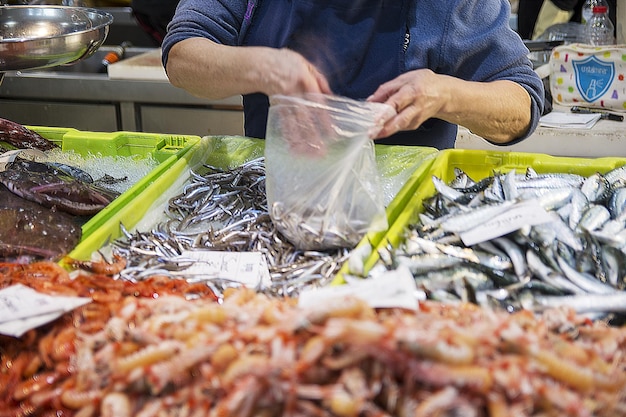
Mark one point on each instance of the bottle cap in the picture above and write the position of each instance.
(599, 9)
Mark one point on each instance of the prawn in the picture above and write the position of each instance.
(99, 267)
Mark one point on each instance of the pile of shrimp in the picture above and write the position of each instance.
(163, 353)
(37, 370)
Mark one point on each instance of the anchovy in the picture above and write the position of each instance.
(225, 210)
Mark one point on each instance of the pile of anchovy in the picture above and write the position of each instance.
(225, 210)
(576, 259)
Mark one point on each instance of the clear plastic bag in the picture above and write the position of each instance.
(322, 180)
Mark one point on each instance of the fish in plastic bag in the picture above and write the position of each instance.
(322, 180)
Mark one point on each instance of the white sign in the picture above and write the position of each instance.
(22, 308)
(392, 289)
(526, 213)
(247, 268)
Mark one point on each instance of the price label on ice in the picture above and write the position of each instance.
(8, 157)
(247, 268)
(22, 308)
(392, 289)
(527, 213)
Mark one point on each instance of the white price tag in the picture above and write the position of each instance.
(22, 308)
(392, 289)
(526, 213)
(247, 268)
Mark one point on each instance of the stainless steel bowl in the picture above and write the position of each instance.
(46, 36)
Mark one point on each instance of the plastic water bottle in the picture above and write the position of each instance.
(599, 30)
(587, 10)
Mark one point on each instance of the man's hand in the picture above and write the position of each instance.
(286, 72)
(416, 96)
(499, 111)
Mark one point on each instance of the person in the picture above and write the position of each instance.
(438, 63)
(153, 17)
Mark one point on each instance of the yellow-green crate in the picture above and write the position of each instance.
(166, 149)
(478, 165)
(227, 152)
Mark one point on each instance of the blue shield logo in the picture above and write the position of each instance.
(593, 77)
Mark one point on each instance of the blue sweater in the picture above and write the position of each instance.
(468, 39)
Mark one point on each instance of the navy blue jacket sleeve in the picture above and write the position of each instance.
(472, 41)
(222, 21)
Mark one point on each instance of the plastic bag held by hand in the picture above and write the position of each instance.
(322, 180)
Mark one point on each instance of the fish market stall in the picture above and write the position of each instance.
(161, 340)
(213, 345)
(495, 286)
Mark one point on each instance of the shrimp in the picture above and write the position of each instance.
(116, 404)
(148, 356)
(99, 267)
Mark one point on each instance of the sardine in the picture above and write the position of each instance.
(596, 188)
(616, 175)
(466, 221)
(550, 276)
(588, 283)
(594, 218)
(617, 203)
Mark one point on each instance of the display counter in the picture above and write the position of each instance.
(605, 138)
(83, 96)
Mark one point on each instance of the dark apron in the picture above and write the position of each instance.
(357, 45)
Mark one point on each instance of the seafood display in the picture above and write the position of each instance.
(38, 370)
(21, 137)
(130, 353)
(52, 187)
(523, 323)
(48, 193)
(576, 258)
(32, 232)
(225, 210)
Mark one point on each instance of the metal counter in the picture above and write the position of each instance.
(605, 139)
(94, 102)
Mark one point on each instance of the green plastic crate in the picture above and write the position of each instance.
(478, 165)
(164, 148)
(131, 144)
(228, 152)
(141, 199)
